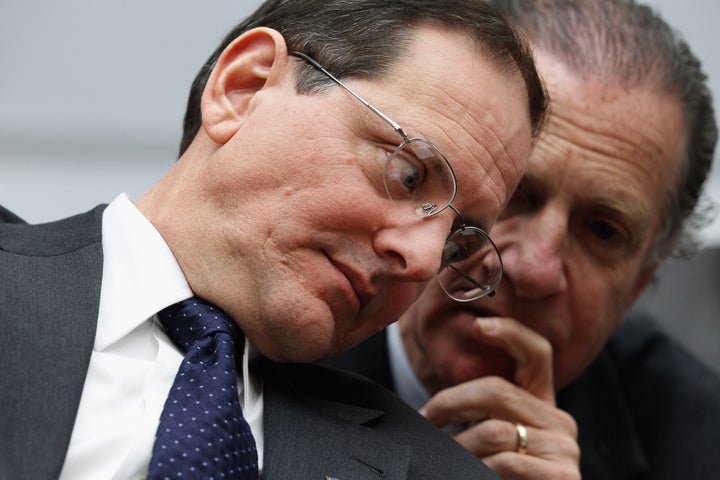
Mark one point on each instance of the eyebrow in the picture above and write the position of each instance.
(615, 200)
(636, 216)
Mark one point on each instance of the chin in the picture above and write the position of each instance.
(298, 338)
(492, 363)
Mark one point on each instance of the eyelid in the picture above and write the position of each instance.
(618, 230)
(623, 240)
(622, 215)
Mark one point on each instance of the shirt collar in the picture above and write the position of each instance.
(140, 274)
(407, 384)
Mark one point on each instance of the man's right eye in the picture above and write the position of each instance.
(403, 176)
(454, 252)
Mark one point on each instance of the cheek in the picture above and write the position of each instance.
(430, 316)
(484, 362)
(597, 311)
(444, 333)
(318, 211)
(380, 313)
(570, 362)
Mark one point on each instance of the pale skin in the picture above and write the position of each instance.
(277, 211)
(575, 242)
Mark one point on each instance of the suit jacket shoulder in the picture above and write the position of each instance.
(321, 422)
(646, 408)
(370, 359)
(674, 400)
(9, 217)
(50, 276)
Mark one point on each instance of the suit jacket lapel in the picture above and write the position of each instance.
(51, 276)
(611, 447)
(342, 442)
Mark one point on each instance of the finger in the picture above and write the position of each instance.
(484, 398)
(532, 353)
(488, 438)
(494, 397)
(498, 440)
(494, 436)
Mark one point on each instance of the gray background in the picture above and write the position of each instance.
(92, 96)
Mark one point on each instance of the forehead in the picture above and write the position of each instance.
(617, 143)
(444, 89)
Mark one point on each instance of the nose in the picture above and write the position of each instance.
(532, 252)
(414, 249)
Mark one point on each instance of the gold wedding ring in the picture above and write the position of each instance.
(522, 438)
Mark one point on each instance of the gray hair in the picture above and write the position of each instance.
(629, 44)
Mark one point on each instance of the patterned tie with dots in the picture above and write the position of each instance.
(202, 432)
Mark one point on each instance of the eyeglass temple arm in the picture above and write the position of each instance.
(490, 293)
(377, 112)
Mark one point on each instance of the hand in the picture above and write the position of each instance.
(491, 406)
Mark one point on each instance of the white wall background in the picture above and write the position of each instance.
(92, 95)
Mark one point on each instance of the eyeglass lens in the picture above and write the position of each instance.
(471, 266)
(418, 172)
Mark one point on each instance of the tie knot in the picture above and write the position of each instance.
(189, 321)
(202, 431)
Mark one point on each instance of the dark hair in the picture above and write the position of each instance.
(629, 44)
(364, 38)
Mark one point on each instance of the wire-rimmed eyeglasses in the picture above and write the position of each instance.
(417, 173)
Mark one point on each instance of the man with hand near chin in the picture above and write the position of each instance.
(543, 380)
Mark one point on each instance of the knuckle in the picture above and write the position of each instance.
(545, 348)
(574, 451)
(441, 401)
(569, 424)
(495, 433)
(497, 388)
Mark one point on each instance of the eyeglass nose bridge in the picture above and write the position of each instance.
(430, 209)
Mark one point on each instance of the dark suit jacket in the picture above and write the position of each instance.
(645, 408)
(8, 216)
(317, 421)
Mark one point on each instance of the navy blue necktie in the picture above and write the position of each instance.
(202, 432)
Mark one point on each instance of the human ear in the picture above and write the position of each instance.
(250, 63)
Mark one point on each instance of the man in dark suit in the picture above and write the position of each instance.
(528, 379)
(309, 215)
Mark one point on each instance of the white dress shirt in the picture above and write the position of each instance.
(133, 362)
(407, 384)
